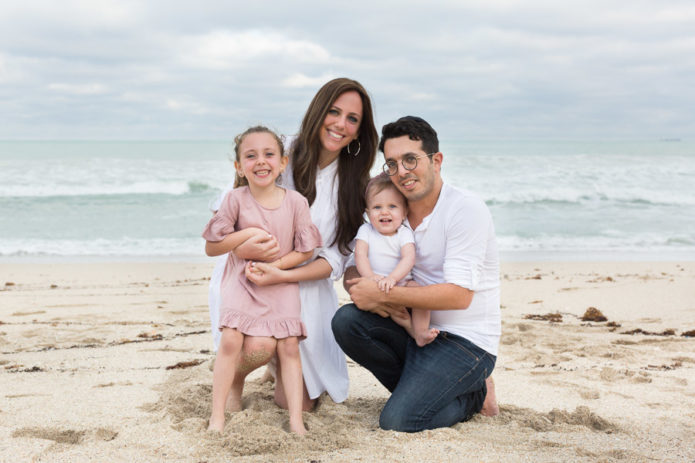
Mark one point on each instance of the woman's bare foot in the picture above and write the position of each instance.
(267, 376)
(422, 339)
(233, 404)
(490, 407)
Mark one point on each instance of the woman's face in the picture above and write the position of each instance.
(342, 123)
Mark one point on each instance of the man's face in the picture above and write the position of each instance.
(418, 183)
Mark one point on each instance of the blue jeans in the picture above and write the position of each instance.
(434, 386)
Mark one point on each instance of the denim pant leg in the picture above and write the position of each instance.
(442, 384)
(376, 343)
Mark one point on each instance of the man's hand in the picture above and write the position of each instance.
(368, 297)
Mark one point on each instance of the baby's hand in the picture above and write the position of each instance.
(376, 278)
(385, 284)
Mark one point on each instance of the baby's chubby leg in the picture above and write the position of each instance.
(292, 381)
(422, 332)
(228, 356)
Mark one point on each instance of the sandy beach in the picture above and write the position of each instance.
(111, 362)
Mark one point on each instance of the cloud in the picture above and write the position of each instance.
(299, 80)
(523, 68)
(224, 49)
(79, 89)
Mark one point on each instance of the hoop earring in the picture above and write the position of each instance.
(359, 147)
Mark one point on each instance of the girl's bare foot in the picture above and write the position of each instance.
(216, 424)
(490, 407)
(427, 337)
(297, 427)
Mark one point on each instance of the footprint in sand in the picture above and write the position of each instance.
(65, 436)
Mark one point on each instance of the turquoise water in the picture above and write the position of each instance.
(550, 199)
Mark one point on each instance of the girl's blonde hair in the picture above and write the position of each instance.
(238, 179)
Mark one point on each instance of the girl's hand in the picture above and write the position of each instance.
(262, 247)
(386, 283)
(263, 274)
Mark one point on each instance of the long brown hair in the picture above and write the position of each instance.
(353, 171)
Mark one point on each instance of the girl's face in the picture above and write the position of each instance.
(386, 210)
(342, 123)
(260, 160)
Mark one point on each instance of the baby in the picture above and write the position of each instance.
(385, 249)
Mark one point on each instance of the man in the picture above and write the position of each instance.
(457, 268)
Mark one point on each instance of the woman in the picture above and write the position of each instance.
(329, 165)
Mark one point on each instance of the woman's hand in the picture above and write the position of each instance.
(262, 247)
(263, 274)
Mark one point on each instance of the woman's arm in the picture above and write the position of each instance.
(265, 274)
(292, 259)
(231, 241)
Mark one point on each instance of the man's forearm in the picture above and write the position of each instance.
(443, 296)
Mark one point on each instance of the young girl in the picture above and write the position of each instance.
(385, 250)
(259, 207)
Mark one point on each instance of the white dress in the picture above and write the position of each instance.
(323, 362)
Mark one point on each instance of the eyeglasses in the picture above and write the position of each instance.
(409, 162)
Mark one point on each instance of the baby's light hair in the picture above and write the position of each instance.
(242, 181)
(379, 183)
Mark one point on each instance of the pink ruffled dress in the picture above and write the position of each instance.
(262, 310)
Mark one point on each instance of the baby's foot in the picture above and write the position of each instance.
(422, 339)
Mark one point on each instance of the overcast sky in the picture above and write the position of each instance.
(101, 69)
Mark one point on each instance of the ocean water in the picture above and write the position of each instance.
(566, 200)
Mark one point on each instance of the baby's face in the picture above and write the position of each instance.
(386, 211)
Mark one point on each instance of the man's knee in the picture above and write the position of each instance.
(394, 419)
(342, 320)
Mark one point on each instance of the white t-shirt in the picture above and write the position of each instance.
(385, 250)
(456, 244)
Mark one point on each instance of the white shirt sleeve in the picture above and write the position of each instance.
(335, 259)
(215, 203)
(466, 244)
(405, 235)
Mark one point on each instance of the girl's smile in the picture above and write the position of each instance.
(260, 160)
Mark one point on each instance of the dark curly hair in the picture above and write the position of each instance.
(415, 128)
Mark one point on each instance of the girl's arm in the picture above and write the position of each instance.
(362, 259)
(405, 265)
(231, 241)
